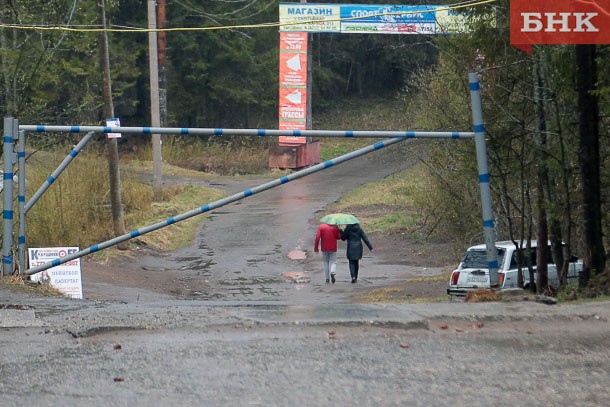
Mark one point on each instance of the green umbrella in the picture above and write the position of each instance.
(339, 219)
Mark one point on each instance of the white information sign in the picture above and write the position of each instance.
(113, 122)
(65, 277)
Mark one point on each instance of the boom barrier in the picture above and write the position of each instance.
(247, 132)
(11, 129)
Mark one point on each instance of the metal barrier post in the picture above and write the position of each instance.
(479, 136)
(10, 129)
(21, 200)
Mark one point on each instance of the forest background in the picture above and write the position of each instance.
(227, 77)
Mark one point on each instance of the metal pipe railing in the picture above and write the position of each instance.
(247, 132)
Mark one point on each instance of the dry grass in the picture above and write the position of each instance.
(396, 295)
(76, 211)
(398, 198)
(231, 155)
(411, 290)
(483, 296)
(19, 284)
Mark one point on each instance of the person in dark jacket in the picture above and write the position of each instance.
(355, 235)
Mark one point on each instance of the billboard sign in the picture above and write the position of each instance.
(293, 85)
(374, 19)
(310, 17)
(366, 19)
(66, 277)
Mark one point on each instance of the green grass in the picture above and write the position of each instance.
(334, 147)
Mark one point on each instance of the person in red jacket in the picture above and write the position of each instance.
(328, 234)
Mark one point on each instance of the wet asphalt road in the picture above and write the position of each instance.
(257, 339)
(187, 353)
(260, 249)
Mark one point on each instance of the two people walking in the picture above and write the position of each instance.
(328, 235)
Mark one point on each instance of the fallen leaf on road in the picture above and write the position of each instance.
(117, 347)
(444, 326)
(119, 379)
(404, 345)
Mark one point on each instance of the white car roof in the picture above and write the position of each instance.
(504, 244)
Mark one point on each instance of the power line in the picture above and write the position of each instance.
(225, 27)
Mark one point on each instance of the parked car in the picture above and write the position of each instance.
(473, 272)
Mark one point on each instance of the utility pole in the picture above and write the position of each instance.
(153, 62)
(162, 44)
(118, 217)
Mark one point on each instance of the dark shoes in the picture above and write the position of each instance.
(353, 280)
(327, 281)
(332, 278)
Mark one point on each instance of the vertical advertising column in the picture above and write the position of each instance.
(293, 85)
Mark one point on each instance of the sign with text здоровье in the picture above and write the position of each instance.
(559, 22)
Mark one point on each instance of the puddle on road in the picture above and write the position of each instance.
(296, 277)
(206, 296)
(46, 310)
(276, 249)
(202, 266)
(196, 263)
(254, 262)
(243, 291)
(251, 281)
(269, 291)
(244, 286)
(208, 252)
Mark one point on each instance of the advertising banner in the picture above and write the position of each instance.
(366, 19)
(376, 19)
(65, 277)
(559, 22)
(310, 17)
(293, 85)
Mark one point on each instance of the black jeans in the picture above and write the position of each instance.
(354, 265)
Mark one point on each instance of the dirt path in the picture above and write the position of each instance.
(246, 251)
